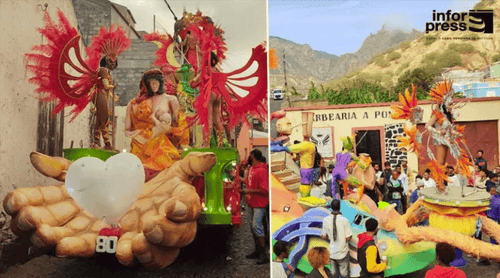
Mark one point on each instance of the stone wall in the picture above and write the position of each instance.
(91, 15)
(131, 65)
(393, 154)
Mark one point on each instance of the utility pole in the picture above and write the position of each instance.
(286, 84)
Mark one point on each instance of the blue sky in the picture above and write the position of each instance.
(339, 27)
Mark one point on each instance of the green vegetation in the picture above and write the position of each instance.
(419, 77)
(402, 68)
(294, 92)
(483, 54)
(381, 62)
(393, 56)
(461, 47)
(434, 63)
(495, 58)
(428, 40)
(404, 45)
(313, 93)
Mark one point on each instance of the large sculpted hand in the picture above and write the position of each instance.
(161, 221)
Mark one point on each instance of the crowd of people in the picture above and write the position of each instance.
(398, 185)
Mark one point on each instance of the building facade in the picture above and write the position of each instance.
(376, 131)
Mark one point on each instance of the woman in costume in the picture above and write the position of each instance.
(160, 152)
(205, 50)
(105, 89)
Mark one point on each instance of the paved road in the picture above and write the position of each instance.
(215, 252)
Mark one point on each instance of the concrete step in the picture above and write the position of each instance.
(293, 187)
(290, 180)
(277, 167)
(283, 174)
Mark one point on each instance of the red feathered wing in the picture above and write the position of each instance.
(163, 42)
(237, 106)
(50, 67)
(61, 55)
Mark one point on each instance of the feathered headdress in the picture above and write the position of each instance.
(442, 92)
(109, 43)
(408, 103)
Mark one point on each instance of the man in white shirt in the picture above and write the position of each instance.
(453, 179)
(404, 181)
(337, 228)
(428, 181)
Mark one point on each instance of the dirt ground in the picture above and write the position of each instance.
(215, 252)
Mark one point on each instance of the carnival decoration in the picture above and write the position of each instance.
(454, 212)
(59, 70)
(106, 189)
(202, 46)
(347, 159)
(159, 222)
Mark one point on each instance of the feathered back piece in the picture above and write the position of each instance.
(163, 41)
(441, 92)
(50, 67)
(109, 43)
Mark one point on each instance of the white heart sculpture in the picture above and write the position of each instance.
(106, 189)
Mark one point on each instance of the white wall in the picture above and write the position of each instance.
(19, 107)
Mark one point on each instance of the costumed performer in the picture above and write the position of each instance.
(156, 153)
(343, 158)
(307, 151)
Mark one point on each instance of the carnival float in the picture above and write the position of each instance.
(453, 212)
(147, 203)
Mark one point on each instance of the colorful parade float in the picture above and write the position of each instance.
(147, 203)
(454, 212)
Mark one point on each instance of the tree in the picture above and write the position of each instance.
(420, 77)
(313, 92)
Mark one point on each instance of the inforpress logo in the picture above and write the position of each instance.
(457, 22)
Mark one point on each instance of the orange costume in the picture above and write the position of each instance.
(158, 153)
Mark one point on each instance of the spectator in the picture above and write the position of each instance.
(480, 161)
(445, 254)
(428, 181)
(368, 256)
(316, 167)
(382, 188)
(378, 171)
(406, 170)
(319, 190)
(482, 179)
(318, 258)
(281, 269)
(406, 190)
(453, 179)
(420, 184)
(492, 181)
(395, 188)
(387, 170)
(496, 170)
(337, 229)
(374, 194)
(494, 212)
(257, 198)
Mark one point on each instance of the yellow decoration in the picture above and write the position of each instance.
(462, 224)
(313, 201)
(455, 211)
(304, 190)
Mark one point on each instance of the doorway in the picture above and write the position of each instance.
(369, 141)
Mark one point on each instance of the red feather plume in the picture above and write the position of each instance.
(49, 67)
